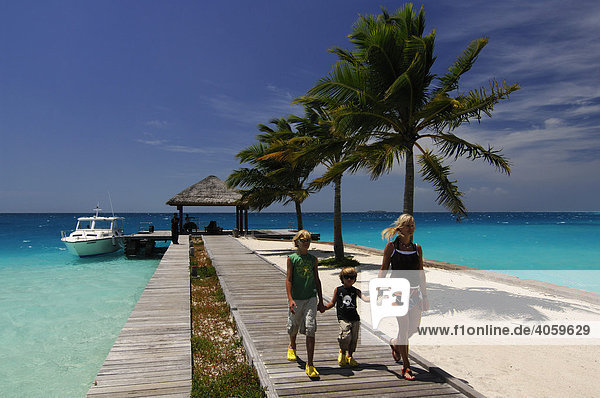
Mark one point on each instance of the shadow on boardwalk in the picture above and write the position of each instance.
(255, 291)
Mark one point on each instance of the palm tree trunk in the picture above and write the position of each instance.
(338, 243)
(299, 215)
(409, 183)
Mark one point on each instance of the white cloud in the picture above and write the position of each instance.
(276, 104)
(157, 123)
(553, 122)
(152, 142)
(166, 146)
(584, 110)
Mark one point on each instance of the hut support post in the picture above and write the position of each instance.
(245, 210)
(180, 208)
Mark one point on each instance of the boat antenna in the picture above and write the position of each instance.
(111, 206)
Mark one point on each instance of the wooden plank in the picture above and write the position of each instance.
(152, 355)
(255, 290)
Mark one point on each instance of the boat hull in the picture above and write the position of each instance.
(94, 247)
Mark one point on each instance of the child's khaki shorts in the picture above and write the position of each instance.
(305, 318)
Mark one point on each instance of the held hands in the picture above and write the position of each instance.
(292, 306)
(425, 304)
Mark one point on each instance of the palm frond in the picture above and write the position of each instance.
(478, 101)
(463, 64)
(378, 158)
(437, 108)
(381, 156)
(251, 154)
(455, 147)
(345, 84)
(438, 174)
(402, 86)
(245, 177)
(350, 163)
(345, 55)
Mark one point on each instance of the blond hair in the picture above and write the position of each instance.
(302, 234)
(388, 233)
(347, 271)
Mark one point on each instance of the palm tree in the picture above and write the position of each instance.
(271, 180)
(384, 91)
(322, 143)
(315, 141)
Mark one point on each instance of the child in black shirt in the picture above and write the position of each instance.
(344, 298)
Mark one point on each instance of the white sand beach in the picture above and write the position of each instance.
(494, 366)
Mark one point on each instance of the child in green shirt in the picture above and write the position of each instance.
(302, 286)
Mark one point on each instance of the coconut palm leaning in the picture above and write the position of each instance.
(385, 91)
(271, 180)
(318, 142)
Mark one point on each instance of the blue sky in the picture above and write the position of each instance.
(144, 98)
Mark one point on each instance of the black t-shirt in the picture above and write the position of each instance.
(409, 263)
(346, 304)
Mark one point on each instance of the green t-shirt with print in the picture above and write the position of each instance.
(303, 276)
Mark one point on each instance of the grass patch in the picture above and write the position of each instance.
(203, 272)
(220, 368)
(347, 261)
(200, 263)
(233, 383)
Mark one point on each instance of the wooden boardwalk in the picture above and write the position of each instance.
(152, 355)
(255, 290)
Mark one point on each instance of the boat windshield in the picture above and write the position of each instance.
(102, 224)
(84, 224)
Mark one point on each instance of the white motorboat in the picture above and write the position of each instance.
(95, 235)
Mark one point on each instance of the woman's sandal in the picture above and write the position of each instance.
(407, 374)
(395, 354)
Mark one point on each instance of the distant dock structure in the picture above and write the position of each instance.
(280, 234)
(143, 243)
(211, 191)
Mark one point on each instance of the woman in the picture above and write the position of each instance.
(403, 255)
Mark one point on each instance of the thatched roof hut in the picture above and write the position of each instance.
(211, 191)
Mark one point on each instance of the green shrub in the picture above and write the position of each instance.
(240, 381)
(347, 261)
(205, 272)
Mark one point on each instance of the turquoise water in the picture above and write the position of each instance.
(60, 315)
(558, 248)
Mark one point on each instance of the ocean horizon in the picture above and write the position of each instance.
(487, 240)
(60, 314)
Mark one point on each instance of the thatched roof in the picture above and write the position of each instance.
(211, 191)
